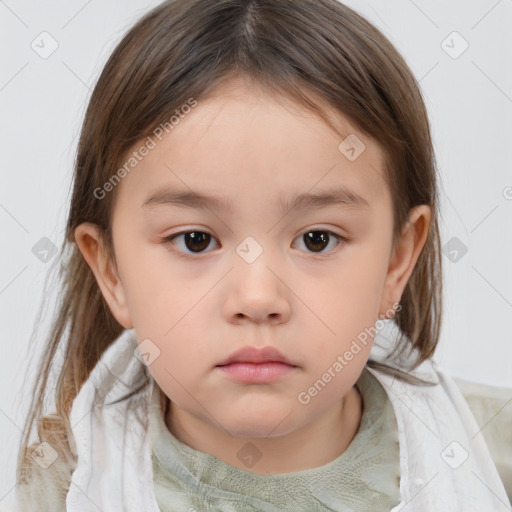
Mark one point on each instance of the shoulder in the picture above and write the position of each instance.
(492, 408)
(46, 476)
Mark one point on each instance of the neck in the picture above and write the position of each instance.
(314, 444)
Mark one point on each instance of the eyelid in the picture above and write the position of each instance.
(319, 228)
(169, 241)
(342, 241)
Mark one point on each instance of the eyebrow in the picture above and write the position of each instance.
(340, 196)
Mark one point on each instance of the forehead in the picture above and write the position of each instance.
(240, 141)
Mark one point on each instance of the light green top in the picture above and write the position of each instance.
(364, 478)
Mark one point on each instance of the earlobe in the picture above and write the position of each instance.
(405, 256)
(90, 241)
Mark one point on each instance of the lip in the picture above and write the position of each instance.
(256, 365)
(256, 373)
(254, 355)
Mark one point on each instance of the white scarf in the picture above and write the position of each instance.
(445, 464)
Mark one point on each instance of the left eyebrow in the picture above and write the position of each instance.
(341, 196)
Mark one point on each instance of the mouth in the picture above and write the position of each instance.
(256, 366)
(256, 373)
(255, 355)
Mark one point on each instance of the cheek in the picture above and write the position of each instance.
(168, 305)
(157, 293)
(349, 299)
(346, 310)
(184, 355)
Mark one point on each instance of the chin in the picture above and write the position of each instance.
(264, 425)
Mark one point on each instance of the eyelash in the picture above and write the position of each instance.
(168, 241)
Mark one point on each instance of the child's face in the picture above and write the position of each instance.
(257, 281)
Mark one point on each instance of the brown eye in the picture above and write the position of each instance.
(189, 241)
(317, 240)
(197, 241)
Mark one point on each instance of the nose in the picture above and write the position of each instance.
(257, 293)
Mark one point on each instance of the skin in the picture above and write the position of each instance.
(201, 307)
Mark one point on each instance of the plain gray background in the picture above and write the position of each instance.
(469, 98)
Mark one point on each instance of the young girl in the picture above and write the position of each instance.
(253, 292)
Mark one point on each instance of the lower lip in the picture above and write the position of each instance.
(256, 372)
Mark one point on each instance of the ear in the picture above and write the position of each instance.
(404, 257)
(89, 239)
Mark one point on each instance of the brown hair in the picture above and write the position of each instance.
(299, 49)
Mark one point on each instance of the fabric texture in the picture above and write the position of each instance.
(492, 408)
(444, 461)
(363, 478)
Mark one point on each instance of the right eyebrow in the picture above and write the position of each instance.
(189, 199)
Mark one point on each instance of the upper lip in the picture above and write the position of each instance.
(255, 355)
